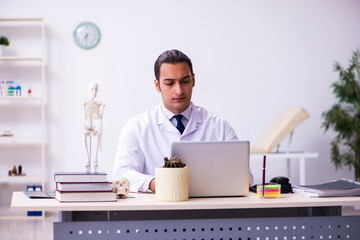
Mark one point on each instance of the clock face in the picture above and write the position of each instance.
(87, 35)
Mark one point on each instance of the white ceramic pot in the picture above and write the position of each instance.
(2, 50)
(171, 184)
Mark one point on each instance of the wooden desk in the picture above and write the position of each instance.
(289, 217)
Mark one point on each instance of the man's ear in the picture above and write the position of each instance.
(157, 85)
(193, 76)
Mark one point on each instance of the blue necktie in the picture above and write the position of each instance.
(180, 125)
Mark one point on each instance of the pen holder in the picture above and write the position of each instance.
(171, 184)
(271, 190)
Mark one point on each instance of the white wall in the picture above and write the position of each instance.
(251, 58)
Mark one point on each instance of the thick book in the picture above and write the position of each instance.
(80, 177)
(83, 186)
(338, 188)
(100, 196)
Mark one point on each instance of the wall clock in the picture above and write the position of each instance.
(87, 35)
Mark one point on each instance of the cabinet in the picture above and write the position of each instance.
(23, 61)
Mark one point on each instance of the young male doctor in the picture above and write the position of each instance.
(145, 139)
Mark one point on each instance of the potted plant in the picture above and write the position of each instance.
(344, 117)
(3, 42)
(172, 181)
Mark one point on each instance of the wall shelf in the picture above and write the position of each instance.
(21, 99)
(12, 58)
(7, 214)
(25, 140)
(33, 176)
(20, 179)
(21, 19)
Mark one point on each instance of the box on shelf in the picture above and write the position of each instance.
(10, 88)
(34, 188)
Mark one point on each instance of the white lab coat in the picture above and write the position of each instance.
(145, 141)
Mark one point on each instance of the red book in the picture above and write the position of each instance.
(101, 196)
(83, 186)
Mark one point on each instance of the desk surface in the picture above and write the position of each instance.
(146, 201)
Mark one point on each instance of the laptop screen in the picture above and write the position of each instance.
(215, 168)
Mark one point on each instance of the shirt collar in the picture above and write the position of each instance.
(170, 115)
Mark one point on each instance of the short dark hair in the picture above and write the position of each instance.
(171, 56)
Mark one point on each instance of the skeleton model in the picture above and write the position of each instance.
(93, 127)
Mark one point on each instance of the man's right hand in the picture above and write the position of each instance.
(152, 185)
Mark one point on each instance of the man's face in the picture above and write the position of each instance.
(175, 85)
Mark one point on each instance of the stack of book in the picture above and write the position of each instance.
(338, 188)
(83, 187)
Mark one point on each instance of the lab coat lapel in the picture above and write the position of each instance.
(164, 122)
(194, 122)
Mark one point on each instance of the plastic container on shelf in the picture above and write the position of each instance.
(10, 88)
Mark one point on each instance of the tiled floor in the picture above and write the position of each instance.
(42, 229)
(25, 229)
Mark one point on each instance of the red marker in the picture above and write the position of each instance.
(263, 179)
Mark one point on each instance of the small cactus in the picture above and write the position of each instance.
(173, 162)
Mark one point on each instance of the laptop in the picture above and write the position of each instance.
(216, 169)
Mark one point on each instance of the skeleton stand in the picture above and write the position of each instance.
(93, 114)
